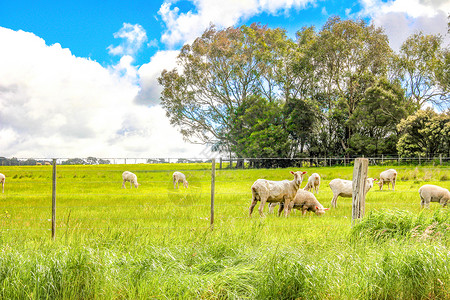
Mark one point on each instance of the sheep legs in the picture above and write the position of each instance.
(284, 205)
(252, 206)
(334, 200)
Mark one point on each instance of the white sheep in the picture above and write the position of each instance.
(343, 188)
(131, 177)
(388, 176)
(313, 183)
(306, 201)
(2, 180)
(433, 193)
(177, 177)
(275, 191)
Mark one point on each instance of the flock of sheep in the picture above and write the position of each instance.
(289, 195)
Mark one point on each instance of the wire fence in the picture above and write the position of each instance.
(84, 200)
(234, 162)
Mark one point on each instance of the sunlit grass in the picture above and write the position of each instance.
(156, 241)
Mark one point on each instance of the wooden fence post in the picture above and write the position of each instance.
(440, 159)
(54, 200)
(213, 183)
(220, 166)
(358, 188)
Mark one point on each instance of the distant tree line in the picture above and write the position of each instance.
(71, 161)
(342, 91)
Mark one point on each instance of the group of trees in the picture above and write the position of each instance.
(253, 92)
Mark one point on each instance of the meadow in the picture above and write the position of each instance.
(155, 242)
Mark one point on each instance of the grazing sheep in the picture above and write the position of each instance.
(433, 193)
(275, 191)
(131, 177)
(343, 188)
(388, 176)
(177, 177)
(306, 201)
(2, 180)
(313, 183)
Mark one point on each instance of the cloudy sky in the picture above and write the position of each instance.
(78, 78)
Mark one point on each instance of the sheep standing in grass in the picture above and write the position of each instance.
(433, 193)
(306, 201)
(313, 183)
(275, 191)
(131, 177)
(388, 176)
(343, 188)
(2, 180)
(177, 177)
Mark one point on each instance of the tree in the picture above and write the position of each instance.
(216, 75)
(425, 133)
(376, 117)
(301, 117)
(258, 130)
(423, 66)
(346, 55)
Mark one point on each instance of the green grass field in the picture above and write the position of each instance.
(156, 242)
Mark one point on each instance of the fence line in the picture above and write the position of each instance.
(442, 158)
(61, 223)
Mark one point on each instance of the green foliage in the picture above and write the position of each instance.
(422, 64)
(425, 133)
(258, 129)
(376, 117)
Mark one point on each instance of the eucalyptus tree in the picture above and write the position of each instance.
(216, 74)
(423, 65)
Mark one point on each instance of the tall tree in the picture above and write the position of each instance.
(423, 67)
(376, 117)
(216, 74)
(346, 55)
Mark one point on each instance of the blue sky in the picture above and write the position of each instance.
(87, 27)
(78, 78)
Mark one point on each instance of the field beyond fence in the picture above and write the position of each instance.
(156, 241)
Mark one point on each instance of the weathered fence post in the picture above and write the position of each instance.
(213, 183)
(382, 159)
(440, 159)
(419, 159)
(54, 200)
(220, 166)
(358, 188)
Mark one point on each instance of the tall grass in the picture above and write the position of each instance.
(155, 242)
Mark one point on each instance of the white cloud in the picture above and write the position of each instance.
(53, 104)
(401, 18)
(148, 74)
(184, 27)
(133, 38)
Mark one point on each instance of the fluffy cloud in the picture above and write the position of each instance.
(149, 73)
(182, 27)
(133, 38)
(401, 18)
(53, 104)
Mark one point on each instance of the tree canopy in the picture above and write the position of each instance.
(252, 91)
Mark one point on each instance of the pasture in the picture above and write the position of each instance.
(155, 241)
